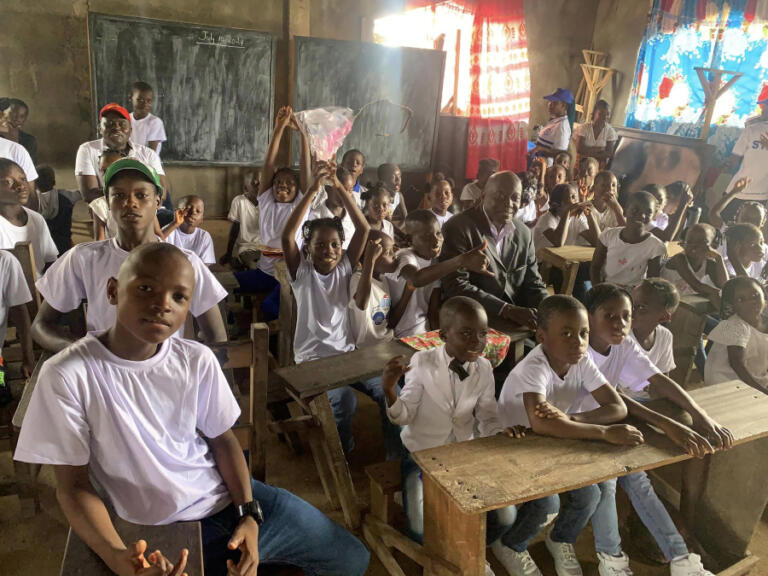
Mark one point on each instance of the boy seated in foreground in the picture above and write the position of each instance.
(148, 417)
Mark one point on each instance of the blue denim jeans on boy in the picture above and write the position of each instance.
(344, 405)
(256, 281)
(294, 533)
(575, 515)
(605, 522)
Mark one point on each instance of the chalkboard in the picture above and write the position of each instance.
(352, 74)
(214, 87)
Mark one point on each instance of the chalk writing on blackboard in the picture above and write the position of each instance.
(206, 38)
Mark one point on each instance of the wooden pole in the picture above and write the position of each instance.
(713, 91)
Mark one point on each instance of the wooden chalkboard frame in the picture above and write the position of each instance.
(294, 78)
(92, 16)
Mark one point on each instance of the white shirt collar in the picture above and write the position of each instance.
(506, 230)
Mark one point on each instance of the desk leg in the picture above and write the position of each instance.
(569, 277)
(452, 535)
(321, 409)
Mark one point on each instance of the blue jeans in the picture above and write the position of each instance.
(294, 533)
(575, 515)
(259, 281)
(344, 405)
(605, 522)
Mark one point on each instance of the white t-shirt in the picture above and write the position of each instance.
(682, 286)
(131, 423)
(556, 134)
(442, 219)
(661, 356)
(527, 213)
(369, 326)
(148, 129)
(754, 164)
(82, 274)
(534, 374)
(627, 264)
(587, 132)
(87, 160)
(414, 320)
(199, 242)
(661, 221)
(471, 192)
(322, 301)
(606, 219)
(734, 331)
(245, 213)
(272, 218)
(386, 226)
(100, 208)
(16, 152)
(550, 221)
(13, 290)
(34, 231)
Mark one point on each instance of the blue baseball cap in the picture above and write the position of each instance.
(560, 95)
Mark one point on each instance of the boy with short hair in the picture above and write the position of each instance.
(392, 178)
(185, 232)
(554, 376)
(133, 192)
(147, 129)
(244, 235)
(14, 295)
(148, 417)
(354, 161)
(472, 193)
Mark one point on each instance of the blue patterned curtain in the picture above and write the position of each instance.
(683, 34)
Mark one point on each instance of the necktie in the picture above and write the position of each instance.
(457, 367)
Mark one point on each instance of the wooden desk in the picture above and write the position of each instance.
(687, 325)
(79, 560)
(463, 481)
(567, 259)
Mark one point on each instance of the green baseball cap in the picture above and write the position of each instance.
(132, 164)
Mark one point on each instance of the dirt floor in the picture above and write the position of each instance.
(35, 546)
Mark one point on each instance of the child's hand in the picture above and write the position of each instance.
(541, 199)
(623, 435)
(694, 444)
(393, 371)
(246, 539)
(476, 261)
(547, 411)
(687, 197)
(283, 117)
(718, 436)
(741, 183)
(515, 431)
(321, 173)
(179, 215)
(153, 565)
(294, 123)
(373, 250)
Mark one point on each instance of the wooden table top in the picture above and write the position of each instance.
(514, 331)
(26, 396)
(490, 473)
(79, 560)
(563, 254)
(696, 302)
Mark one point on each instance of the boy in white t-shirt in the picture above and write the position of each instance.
(146, 128)
(244, 243)
(472, 193)
(549, 381)
(441, 200)
(185, 232)
(17, 222)
(148, 419)
(133, 191)
(14, 295)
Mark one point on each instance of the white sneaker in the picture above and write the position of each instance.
(566, 562)
(688, 566)
(613, 565)
(488, 571)
(516, 563)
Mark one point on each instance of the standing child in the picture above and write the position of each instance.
(244, 243)
(740, 343)
(14, 295)
(625, 255)
(377, 201)
(553, 378)
(17, 222)
(448, 394)
(473, 192)
(185, 232)
(699, 269)
(605, 201)
(441, 200)
(745, 251)
(392, 177)
(146, 128)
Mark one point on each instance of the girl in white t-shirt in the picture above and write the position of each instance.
(624, 256)
(699, 269)
(745, 251)
(605, 201)
(440, 200)
(378, 202)
(667, 217)
(740, 343)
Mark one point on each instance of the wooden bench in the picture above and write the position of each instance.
(465, 480)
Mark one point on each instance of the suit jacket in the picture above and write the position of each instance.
(516, 281)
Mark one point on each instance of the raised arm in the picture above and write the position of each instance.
(473, 260)
(305, 161)
(363, 293)
(715, 213)
(291, 251)
(178, 220)
(397, 311)
(670, 232)
(282, 120)
(360, 237)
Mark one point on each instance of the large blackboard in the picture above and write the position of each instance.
(214, 87)
(352, 74)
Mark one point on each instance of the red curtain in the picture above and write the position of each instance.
(501, 89)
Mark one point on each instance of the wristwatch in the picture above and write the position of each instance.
(252, 509)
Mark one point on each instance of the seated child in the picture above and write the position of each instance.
(133, 191)
(391, 176)
(564, 159)
(472, 193)
(554, 377)
(14, 295)
(147, 418)
(745, 251)
(528, 212)
(416, 266)
(185, 232)
(569, 222)
(626, 363)
(699, 269)
(104, 226)
(377, 201)
(328, 204)
(666, 223)
(739, 342)
(56, 207)
(585, 179)
(626, 255)
(354, 162)
(244, 241)
(448, 394)
(605, 201)
(146, 128)
(441, 200)
(17, 222)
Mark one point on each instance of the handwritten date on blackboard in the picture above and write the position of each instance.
(207, 38)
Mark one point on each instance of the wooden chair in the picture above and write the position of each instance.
(287, 317)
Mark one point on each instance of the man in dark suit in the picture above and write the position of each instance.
(516, 288)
